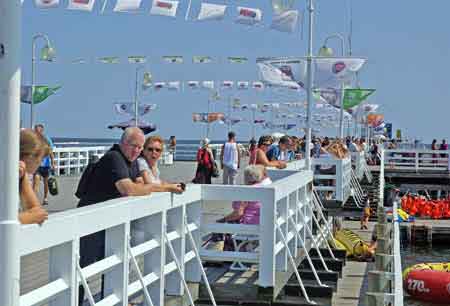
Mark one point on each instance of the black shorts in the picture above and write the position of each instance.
(43, 171)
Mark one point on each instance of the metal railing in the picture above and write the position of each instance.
(336, 178)
(417, 160)
(358, 161)
(73, 160)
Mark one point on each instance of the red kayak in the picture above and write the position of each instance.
(428, 285)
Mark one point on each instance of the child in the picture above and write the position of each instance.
(366, 215)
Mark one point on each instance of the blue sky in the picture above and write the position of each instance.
(406, 43)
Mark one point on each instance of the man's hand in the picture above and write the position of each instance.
(282, 165)
(176, 188)
(139, 180)
(38, 214)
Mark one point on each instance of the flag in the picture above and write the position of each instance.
(244, 107)
(247, 15)
(275, 77)
(208, 84)
(193, 84)
(44, 4)
(259, 121)
(354, 96)
(285, 17)
(159, 85)
(210, 11)
(173, 59)
(174, 85)
(375, 120)
(201, 59)
(109, 60)
(40, 93)
(147, 81)
(139, 59)
(164, 8)
(242, 85)
(254, 106)
(236, 103)
(207, 117)
(83, 5)
(237, 60)
(128, 108)
(127, 5)
(79, 61)
(370, 107)
(227, 84)
(258, 85)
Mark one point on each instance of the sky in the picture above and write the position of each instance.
(406, 44)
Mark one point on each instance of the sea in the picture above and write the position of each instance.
(414, 254)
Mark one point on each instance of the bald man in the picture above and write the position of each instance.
(115, 175)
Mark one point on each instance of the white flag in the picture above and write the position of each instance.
(242, 85)
(46, 3)
(193, 84)
(209, 11)
(285, 21)
(174, 85)
(258, 85)
(275, 77)
(227, 84)
(127, 5)
(83, 5)
(164, 8)
(159, 85)
(247, 15)
(208, 84)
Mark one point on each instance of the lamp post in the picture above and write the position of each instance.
(47, 54)
(328, 52)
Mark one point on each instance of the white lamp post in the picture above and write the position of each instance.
(47, 54)
(147, 81)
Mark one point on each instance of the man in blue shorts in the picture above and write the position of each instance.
(47, 164)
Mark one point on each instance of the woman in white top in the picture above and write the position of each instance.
(148, 166)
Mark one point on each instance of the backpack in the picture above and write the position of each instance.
(84, 181)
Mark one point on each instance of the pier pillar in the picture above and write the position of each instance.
(10, 29)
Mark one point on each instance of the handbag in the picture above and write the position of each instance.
(215, 170)
(52, 186)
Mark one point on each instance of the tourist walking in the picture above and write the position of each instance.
(230, 159)
(47, 164)
(434, 147)
(116, 175)
(205, 164)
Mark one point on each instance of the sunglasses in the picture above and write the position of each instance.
(157, 150)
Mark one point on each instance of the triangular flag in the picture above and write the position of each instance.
(208, 84)
(40, 93)
(242, 85)
(44, 4)
(210, 11)
(109, 60)
(193, 84)
(83, 5)
(258, 85)
(354, 96)
(173, 59)
(285, 17)
(227, 84)
(127, 5)
(201, 59)
(164, 8)
(248, 16)
(137, 59)
(237, 59)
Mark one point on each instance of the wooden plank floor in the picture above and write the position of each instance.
(353, 284)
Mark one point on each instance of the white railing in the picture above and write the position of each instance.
(336, 179)
(296, 165)
(156, 224)
(397, 265)
(73, 160)
(358, 162)
(286, 203)
(417, 160)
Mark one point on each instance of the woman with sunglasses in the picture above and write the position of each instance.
(148, 166)
(264, 143)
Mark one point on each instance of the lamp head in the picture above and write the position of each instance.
(147, 82)
(326, 51)
(48, 53)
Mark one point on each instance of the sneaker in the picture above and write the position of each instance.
(45, 202)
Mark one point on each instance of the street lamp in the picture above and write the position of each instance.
(47, 54)
(328, 52)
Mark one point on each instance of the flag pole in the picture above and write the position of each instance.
(10, 47)
(136, 101)
(309, 86)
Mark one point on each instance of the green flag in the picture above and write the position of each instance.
(40, 93)
(354, 96)
(137, 59)
(109, 60)
(237, 59)
(198, 59)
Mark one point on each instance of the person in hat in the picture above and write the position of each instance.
(205, 163)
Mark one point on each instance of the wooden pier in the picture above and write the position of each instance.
(426, 230)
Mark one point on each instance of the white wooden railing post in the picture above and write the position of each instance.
(416, 160)
(339, 180)
(282, 213)
(267, 244)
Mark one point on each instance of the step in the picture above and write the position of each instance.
(324, 276)
(301, 301)
(312, 288)
(340, 254)
(334, 265)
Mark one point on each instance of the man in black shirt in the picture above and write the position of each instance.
(115, 175)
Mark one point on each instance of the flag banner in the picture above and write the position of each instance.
(275, 77)
(137, 59)
(330, 96)
(264, 108)
(142, 124)
(173, 59)
(79, 61)
(82, 5)
(193, 84)
(227, 84)
(248, 16)
(388, 129)
(41, 93)
(147, 81)
(398, 134)
(285, 21)
(159, 85)
(109, 60)
(370, 107)
(208, 84)
(375, 120)
(244, 107)
(328, 72)
(257, 121)
(258, 85)
(210, 11)
(44, 4)
(197, 59)
(237, 60)
(127, 5)
(355, 96)
(232, 120)
(164, 8)
(207, 117)
(128, 108)
(174, 85)
(236, 104)
(242, 85)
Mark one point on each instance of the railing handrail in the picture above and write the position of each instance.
(426, 151)
(397, 266)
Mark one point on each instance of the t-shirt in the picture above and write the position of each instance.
(230, 155)
(111, 168)
(143, 166)
(46, 161)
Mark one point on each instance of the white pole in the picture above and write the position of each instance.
(10, 36)
(309, 96)
(341, 114)
(136, 101)
(33, 80)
